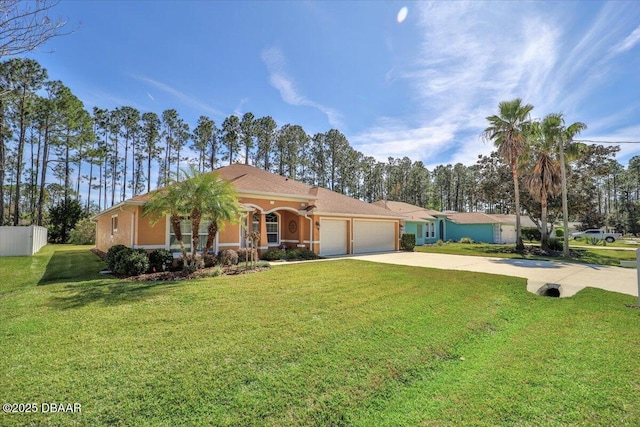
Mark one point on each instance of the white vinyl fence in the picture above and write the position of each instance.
(22, 241)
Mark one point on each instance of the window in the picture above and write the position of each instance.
(419, 231)
(271, 220)
(114, 224)
(431, 230)
(185, 228)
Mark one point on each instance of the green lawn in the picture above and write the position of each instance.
(592, 255)
(324, 343)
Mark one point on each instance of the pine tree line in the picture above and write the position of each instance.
(53, 150)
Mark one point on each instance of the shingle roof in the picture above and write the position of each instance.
(414, 212)
(473, 218)
(331, 202)
(525, 220)
(251, 180)
(247, 179)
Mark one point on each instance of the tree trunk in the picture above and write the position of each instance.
(2, 162)
(565, 210)
(43, 171)
(23, 113)
(544, 235)
(175, 223)
(516, 186)
(212, 230)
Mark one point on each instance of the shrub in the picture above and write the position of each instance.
(160, 260)
(555, 244)
(228, 257)
(467, 240)
(439, 242)
(307, 254)
(193, 262)
(408, 242)
(131, 262)
(244, 254)
(84, 233)
(273, 255)
(263, 264)
(210, 260)
(213, 272)
(531, 233)
(110, 258)
(291, 255)
(559, 232)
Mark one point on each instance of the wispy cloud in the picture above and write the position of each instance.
(184, 98)
(279, 78)
(474, 55)
(628, 43)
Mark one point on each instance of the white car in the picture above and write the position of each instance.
(599, 234)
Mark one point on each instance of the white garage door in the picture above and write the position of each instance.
(333, 237)
(373, 236)
(508, 234)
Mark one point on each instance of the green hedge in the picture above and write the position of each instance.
(408, 242)
(160, 260)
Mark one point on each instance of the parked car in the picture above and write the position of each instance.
(599, 234)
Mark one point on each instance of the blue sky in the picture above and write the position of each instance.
(419, 88)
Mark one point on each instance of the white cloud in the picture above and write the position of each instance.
(278, 77)
(628, 43)
(474, 55)
(393, 139)
(186, 99)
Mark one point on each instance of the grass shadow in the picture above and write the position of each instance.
(75, 265)
(107, 292)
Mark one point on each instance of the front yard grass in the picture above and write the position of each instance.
(342, 342)
(593, 255)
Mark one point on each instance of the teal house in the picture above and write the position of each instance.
(428, 225)
(480, 227)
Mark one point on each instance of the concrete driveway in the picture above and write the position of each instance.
(570, 277)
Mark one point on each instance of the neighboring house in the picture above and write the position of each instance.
(486, 228)
(426, 224)
(478, 226)
(285, 212)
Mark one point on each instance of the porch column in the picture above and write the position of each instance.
(264, 242)
(302, 226)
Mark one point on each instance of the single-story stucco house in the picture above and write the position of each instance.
(285, 212)
(430, 225)
(426, 224)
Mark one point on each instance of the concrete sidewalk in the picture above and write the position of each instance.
(572, 278)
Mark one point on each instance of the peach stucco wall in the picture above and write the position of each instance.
(305, 232)
(122, 236)
(147, 234)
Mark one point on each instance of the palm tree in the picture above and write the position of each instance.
(199, 196)
(508, 133)
(205, 196)
(563, 138)
(545, 177)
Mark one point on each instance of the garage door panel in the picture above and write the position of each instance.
(374, 236)
(333, 237)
